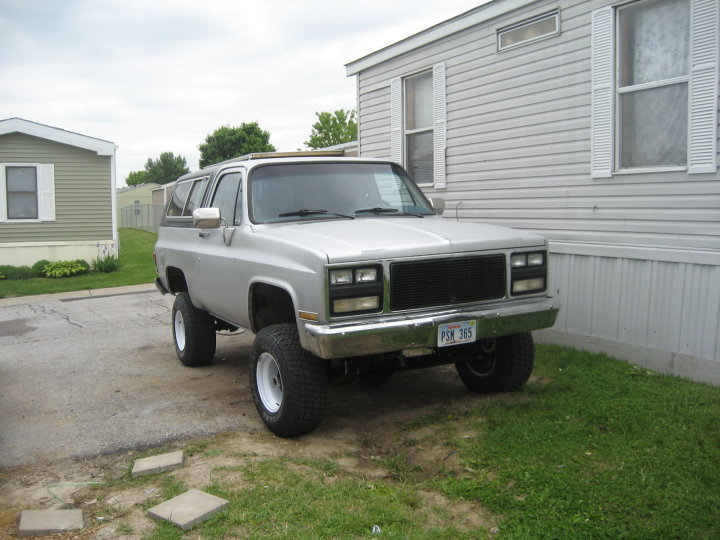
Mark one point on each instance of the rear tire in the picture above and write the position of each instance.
(502, 364)
(193, 332)
(289, 385)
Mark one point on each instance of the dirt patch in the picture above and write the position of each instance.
(382, 445)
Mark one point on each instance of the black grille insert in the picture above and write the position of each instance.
(446, 282)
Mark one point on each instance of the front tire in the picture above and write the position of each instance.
(193, 332)
(501, 365)
(289, 385)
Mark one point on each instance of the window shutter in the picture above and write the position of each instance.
(439, 126)
(46, 192)
(702, 139)
(396, 120)
(602, 55)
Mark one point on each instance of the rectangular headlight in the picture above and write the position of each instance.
(528, 285)
(535, 259)
(364, 303)
(365, 275)
(518, 260)
(341, 277)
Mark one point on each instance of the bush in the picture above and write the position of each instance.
(84, 264)
(107, 264)
(60, 269)
(39, 268)
(19, 272)
(4, 269)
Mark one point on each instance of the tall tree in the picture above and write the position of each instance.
(166, 168)
(228, 142)
(332, 128)
(136, 178)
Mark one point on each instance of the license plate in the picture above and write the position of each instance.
(456, 333)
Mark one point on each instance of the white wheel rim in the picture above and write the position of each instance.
(269, 382)
(179, 324)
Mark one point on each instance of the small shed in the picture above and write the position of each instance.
(57, 194)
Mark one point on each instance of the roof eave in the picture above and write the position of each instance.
(446, 28)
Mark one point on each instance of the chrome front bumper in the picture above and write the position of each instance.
(394, 333)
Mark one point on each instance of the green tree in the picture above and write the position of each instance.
(332, 128)
(136, 178)
(229, 142)
(166, 168)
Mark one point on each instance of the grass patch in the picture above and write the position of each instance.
(591, 448)
(136, 266)
(602, 450)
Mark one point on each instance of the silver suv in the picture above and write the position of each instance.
(341, 266)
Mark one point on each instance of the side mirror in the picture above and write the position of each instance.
(438, 205)
(206, 218)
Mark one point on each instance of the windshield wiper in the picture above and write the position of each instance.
(380, 210)
(308, 212)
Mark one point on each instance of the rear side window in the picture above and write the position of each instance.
(186, 197)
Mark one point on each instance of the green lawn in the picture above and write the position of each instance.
(591, 448)
(137, 266)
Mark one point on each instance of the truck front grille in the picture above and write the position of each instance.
(446, 282)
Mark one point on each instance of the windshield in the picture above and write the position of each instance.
(325, 190)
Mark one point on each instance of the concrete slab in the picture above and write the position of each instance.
(37, 522)
(189, 509)
(159, 463)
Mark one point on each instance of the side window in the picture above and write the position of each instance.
(179, 196)
(195, 196)
(228, 198)
(186, 197)
(22, 192)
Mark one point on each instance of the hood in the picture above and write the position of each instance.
(375, 238)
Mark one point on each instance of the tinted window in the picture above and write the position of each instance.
(179, 196)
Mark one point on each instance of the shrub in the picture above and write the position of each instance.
(107, 264)
(4, 269)
(39, 268)
(19, 272)
(84, 264)
(60, 269)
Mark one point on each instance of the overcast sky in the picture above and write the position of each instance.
(158, 76)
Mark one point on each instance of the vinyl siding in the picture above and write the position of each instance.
(83, 203)
(636, 257)
(518, 141)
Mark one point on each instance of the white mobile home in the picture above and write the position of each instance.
(593, 123)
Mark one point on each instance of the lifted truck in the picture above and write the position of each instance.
(342, 266)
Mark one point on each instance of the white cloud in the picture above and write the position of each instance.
(159, 76)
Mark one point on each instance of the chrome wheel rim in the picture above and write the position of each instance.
(269, 382)
(179, 326)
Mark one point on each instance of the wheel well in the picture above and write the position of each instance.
(176, 280)
(270, 305)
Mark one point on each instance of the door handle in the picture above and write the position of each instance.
(203, 234)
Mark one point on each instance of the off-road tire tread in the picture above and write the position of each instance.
(514, 364)
(199, 333)
(304, 381)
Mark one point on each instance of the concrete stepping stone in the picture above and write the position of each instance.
(159, 463)
(189, 509)
(37, 522)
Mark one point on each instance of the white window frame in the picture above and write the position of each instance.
(45, 174)
(702, 92)
(398, 152)
(555, 14)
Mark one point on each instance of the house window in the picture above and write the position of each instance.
(27, 192)
(653, 72)
(22, 192)
(419, 127)
(537, 28)
(654, 87)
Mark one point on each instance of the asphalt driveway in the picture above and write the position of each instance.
(85, 374)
